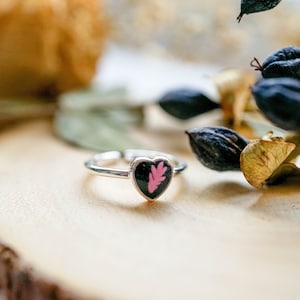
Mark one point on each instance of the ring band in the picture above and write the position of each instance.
(150, 171)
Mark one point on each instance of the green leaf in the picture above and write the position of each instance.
(94, 99)
(98, 120)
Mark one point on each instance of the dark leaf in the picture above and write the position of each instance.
(254, 6)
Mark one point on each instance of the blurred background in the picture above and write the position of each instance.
(62, 56)
(48, 46)
(203, 30)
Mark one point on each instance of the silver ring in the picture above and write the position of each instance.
(150, 171)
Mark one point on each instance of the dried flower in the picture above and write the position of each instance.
(48, 47)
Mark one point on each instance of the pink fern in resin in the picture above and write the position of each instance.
(156, 177)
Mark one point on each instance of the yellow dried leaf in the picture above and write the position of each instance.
(294, 138)
(260, 158)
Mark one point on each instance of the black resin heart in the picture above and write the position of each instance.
(151, 177)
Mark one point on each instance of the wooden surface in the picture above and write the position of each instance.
(211, 236)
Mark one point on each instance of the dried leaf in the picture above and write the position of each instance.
(295, 139)
(284, 171)
(260, 158)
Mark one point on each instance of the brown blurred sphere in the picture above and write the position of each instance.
(49, 46)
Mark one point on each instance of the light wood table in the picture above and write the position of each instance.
(210, 236)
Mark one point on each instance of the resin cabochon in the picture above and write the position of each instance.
(151, 176)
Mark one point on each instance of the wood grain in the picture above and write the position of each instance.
(211, 236)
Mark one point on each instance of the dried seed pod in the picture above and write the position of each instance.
(279, 100)
(253, 6)
(282, 63)
(262, 157)
(186, 103)
(217, 148)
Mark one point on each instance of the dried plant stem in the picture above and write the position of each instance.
(17, 110)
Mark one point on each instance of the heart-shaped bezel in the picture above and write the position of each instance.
(151, 177)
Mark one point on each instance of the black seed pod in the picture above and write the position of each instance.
(186, 103)
(253, 6)
(279, 100)
(283, 63)
(217, 148)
